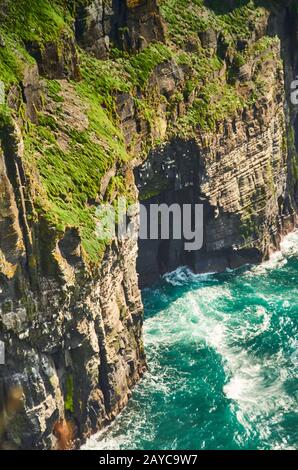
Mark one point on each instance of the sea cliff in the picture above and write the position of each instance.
(176, 101)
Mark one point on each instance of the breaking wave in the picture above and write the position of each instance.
(222, 355)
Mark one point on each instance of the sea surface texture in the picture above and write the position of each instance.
(222, 351)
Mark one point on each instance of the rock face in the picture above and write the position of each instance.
(140, 23)
(94, 26)
(240, 173)
(73, 338)
(184, 116)
(56, 60)
(130, 25)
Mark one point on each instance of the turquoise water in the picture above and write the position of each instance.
(223, 357)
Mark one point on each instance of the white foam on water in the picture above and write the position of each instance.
(259, 399)
(184, 275)
(255, 385)
(289, 245)
(288, 248)
(193, 317)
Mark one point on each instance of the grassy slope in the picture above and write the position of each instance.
(68, 180)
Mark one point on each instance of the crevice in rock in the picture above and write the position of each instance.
(70, 247)
(4, 287)
(16, 176)
(103, 368)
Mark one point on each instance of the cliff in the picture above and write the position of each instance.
(181, 101)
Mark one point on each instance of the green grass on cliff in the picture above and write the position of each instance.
(23, 22)
(67, 179)
(142, 65)
(71, 177)
(217, 95)
(214, 103)
(13, 60)
(36, 20)
(71, 181)
(187, 18)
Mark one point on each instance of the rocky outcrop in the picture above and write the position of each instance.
(72, 332)
(241, 173)
(56, 59)
(73, 337)
(94, 26)
(137, 23)
(129, 25)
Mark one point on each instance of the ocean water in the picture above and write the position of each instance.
(222, 352)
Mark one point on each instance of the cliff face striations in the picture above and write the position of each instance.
(176, 102)
(240, 161)
(72, 334)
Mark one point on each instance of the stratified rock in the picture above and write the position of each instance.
(56, 59)
(141, 23)
(130, 25)
(93, 27)
(237, 172)
(73, 337)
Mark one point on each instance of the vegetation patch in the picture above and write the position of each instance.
(67, 177)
